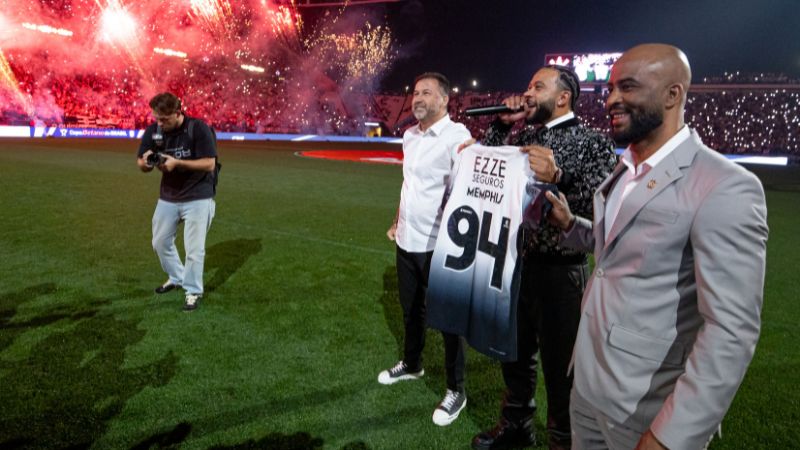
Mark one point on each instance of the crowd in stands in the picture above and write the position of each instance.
(732, 119)
(751, 78)
(748, 121)
(742, 121)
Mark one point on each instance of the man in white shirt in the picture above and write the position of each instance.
(430, 149)
(671, 314)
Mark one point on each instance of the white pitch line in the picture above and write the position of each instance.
(304, 138)
(312, 238)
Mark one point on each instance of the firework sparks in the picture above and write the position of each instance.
(285, 23)
(363, 54)
(256, 54)
(216, 16)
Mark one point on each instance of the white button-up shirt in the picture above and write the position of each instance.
(631, 177)
(428, 158)
(560, 119)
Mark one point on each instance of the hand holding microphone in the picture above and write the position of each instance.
(512, 110)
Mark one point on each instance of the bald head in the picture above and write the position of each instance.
(664, 62)
(647, 96)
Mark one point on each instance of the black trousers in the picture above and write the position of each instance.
(548, 313)
(412, 280)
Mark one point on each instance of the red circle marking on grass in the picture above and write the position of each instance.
(366, 156)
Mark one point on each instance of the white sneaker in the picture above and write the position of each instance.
(447, 411)
(398, 373)
(191, 301)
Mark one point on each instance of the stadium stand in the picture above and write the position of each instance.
(734, 113)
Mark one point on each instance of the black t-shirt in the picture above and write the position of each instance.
(185, 185)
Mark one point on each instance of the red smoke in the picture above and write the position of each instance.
(108, 68)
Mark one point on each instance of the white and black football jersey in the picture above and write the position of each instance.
(474, 280)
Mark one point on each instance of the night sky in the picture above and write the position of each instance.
(502, 42)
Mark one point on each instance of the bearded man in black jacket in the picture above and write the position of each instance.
(575, 160)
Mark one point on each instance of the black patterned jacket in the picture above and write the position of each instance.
(586, 158)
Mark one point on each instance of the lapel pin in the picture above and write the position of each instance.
(651, 184)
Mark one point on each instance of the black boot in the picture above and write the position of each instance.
(506, 435)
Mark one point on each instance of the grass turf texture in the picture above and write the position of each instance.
(300, 313)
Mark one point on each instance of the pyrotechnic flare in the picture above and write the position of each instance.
(120, 30)
(10, 81)
(117, 26)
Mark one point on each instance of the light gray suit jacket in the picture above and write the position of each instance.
(671, 314)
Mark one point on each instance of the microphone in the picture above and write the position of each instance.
(486, 110)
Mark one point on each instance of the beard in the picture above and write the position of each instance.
(642, 122)
(543, 113)
(420, 112)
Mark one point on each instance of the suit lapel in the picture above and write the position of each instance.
(659, 178)
(600, 197)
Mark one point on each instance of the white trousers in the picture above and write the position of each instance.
(196, 216)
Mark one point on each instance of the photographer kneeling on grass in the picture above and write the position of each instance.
(184, 150)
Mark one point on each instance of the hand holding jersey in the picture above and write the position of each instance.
(560, 214)
(543, 163)
(561, 153)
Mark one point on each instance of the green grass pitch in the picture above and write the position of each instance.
(300, 313)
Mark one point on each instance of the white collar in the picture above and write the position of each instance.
(560, 119)
(660, 154)
(437, 127)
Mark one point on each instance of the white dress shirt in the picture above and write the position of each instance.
(630, 178)
(428, 158)
(560, 119)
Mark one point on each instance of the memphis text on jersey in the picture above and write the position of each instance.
(488, 172)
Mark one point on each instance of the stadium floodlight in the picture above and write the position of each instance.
(169, 52)
(47, 29)
(251, 68)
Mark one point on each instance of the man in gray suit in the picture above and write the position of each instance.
(671, 314)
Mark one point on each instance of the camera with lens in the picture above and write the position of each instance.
(157, 156)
